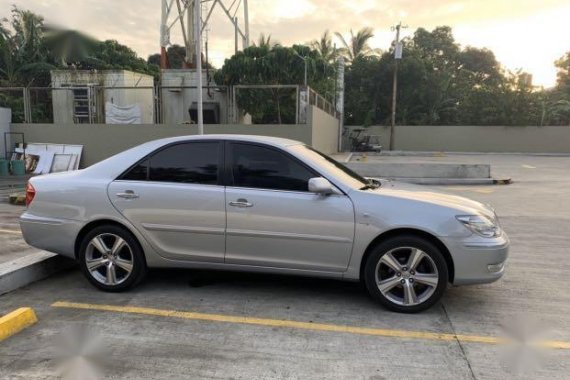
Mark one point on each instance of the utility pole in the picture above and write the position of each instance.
(335, 79)
(397, 57)
(236, 34)
(198, 39)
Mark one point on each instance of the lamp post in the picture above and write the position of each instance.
(198, 36)
(305, 61)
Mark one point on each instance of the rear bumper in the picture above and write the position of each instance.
(478, 260)
(50, 234)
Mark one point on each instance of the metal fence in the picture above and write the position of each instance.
(92, 104)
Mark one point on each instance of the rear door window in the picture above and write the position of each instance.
(194, 162)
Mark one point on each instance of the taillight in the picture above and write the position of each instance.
(30, 194)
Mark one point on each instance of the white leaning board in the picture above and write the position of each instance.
(48, 152)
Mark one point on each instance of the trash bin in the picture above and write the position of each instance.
(18, 167)
(3, 167)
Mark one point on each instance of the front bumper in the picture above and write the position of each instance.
(478, 260)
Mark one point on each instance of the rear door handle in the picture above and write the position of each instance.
(241, 203)
(128, 194)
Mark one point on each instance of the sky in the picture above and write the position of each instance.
(525, 34)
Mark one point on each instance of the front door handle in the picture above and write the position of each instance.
(241, 203)
(128, 194)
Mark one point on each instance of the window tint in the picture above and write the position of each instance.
(195, 162)
(137, 173)
(264, 168)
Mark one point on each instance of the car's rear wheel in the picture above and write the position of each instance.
(111, 258)
(406, 274)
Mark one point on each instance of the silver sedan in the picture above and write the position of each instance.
(261, 204)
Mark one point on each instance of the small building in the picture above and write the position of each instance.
(179, 92)
(91, 96)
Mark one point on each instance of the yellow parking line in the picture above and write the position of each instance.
(405, 334)
(15, 232)
(16, 321)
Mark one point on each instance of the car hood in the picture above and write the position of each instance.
(428, 195)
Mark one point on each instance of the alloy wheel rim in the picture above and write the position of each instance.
(109, 259)
(406, 276)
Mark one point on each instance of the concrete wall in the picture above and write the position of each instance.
(555, 139)
(103, 140)
(325, 127)
(63, 97)
(5, 117)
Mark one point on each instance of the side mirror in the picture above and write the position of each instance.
(320, 185)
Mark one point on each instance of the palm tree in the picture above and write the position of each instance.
(22, 55)
(265, 41)
(324, 46)
(28, 32)
(358, 44)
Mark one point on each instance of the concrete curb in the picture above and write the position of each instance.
(421, 170)
(447, 181)
(454, 153)
(16, 321)
(30, 268)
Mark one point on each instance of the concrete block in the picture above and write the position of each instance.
(14, 322)
(420, 170)
(30, 268)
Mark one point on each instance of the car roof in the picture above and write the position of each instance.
(275, 141)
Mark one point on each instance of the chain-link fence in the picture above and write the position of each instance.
(93, 104)
(15, 99)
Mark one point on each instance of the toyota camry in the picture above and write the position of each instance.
(261, 204)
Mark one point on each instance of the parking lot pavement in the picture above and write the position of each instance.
(247, 326)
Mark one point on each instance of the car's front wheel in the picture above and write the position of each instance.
(406, 274)
(111, 258)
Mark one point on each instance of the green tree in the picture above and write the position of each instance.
(325, 47)
(440, 82)
(563, 75)
(556, 102)
(274, 65)
(23, 60)
(357, 45)
(265, 41)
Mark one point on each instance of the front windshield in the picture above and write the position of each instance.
(346, 175)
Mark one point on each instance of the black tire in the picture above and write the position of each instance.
(433, 265)
(131, 254)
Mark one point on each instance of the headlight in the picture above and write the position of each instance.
(481, 225)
